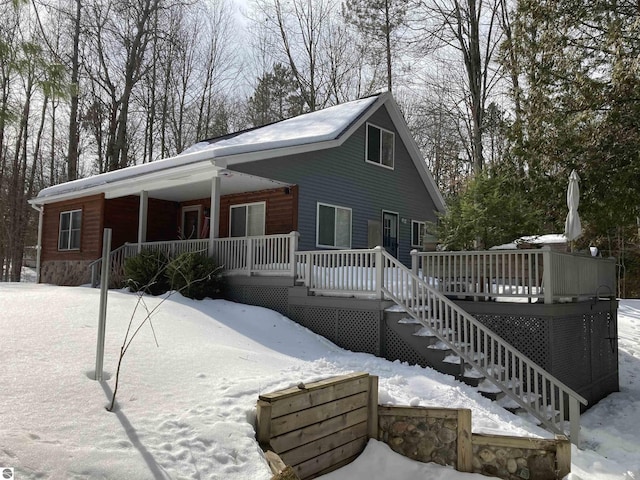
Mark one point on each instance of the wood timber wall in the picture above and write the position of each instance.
(319, 427)
(281, 209)
(322, 426)
(90, 229)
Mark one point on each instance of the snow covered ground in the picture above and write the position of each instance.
(186, 406)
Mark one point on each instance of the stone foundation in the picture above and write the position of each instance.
(65, 272)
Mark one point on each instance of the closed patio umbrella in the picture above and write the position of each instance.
(572, 226)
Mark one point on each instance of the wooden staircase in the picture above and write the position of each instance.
(452, 341)
(425, 343)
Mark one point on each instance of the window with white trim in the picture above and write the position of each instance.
(69, 234)
(418, 230)
(333, 226)
(380, 146)
(247, 220)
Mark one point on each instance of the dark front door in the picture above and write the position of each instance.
(390, 232)
(190, 223)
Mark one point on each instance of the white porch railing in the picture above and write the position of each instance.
(529, 274)
(259, 255)
(375, 272)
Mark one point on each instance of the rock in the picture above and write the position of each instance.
(502, 454)
(425, 451)
(542, 467)
(451, 424)
(398, 428)
(487, 455)
(447, 436)
(512, 466)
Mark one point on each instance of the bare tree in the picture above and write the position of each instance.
(472, 28)
(299, 32)
(120, 35)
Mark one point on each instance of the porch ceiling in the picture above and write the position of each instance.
(193, 186)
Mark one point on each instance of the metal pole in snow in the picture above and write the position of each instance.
(104, 289)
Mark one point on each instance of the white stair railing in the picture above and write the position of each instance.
(520, 378)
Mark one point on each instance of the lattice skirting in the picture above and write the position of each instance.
(271, 297)
(354, 329)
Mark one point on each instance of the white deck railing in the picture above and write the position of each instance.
(337, 272)
(528, 274)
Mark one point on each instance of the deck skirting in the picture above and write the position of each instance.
(576, 342)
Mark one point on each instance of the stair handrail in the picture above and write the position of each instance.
(114, 255)
(420, 300)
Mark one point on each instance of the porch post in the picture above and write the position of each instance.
(547, 275)
(379, 271)
(142, 219)
(293, 248)
(214, 213)
(39, 247)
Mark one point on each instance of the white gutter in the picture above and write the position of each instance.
(40, 210)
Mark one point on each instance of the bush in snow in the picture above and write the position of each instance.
(196, 276)
(146, 272)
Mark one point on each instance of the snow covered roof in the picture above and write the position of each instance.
(318, 126)
(310, 128)
(547, 239)
(317, 130)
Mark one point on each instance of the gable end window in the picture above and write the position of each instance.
(417, 233)
(380, 146)
(333, 227)
(247, 220)
(69, 235)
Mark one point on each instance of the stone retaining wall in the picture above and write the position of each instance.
(444, 436)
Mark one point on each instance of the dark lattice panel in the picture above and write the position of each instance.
(394, 348)
(571, 362)
(528, 335)
(359, 330)
(296, 313)
(321, 321)
(604, 345)
(274, 298)
(234, 293)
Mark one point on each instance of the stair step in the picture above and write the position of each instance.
(440, 346)
(409, 321)
(424, 332)
(489, 387)
(473, 373)
(455, 359)
(396, 308)
(472, 377)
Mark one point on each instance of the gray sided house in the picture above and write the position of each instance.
(322, 218)
(349, 176)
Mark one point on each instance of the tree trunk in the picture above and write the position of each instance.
(72, 156)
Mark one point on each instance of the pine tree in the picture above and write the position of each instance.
(379, 21)
(275, 97)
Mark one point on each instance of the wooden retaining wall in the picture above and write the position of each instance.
(319, 427)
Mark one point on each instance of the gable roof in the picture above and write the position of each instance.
(317, 130)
